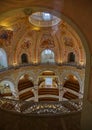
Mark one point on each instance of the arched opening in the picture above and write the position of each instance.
(71, 57)
(48, 86)
(47, 56)
(3, 58)
(71, 88)
(7, 89)
(25, 88)
(24, 58)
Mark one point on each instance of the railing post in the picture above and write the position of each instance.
(15, 94)
(36, 92)
(61, 92)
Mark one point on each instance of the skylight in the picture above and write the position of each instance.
(43, 19)
(46, 16)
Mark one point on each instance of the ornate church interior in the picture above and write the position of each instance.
(45, 65)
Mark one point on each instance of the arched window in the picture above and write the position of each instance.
(3, 58)
(71, 57)
(24, 58)
(47, 56)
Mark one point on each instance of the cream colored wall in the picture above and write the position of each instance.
(26, 39)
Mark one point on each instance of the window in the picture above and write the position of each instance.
(48, 82)
(47, 56)
(24, 58)
(71, 57)
(46, 16)
(3, 58)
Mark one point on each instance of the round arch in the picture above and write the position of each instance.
(24, 58)
(11, 85)
(31, 74)
(47, 56)
(50, 70)
(74, 73)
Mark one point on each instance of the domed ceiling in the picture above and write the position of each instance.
(18, 35)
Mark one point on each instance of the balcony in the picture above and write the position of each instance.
(48, 64)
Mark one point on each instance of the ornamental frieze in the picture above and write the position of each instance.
(68, 41)
(6, 36)
(26, 44)
(47, 41)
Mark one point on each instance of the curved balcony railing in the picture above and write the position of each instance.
(2, 69)
(41, 108)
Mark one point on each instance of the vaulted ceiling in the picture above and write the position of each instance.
(78, 11)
